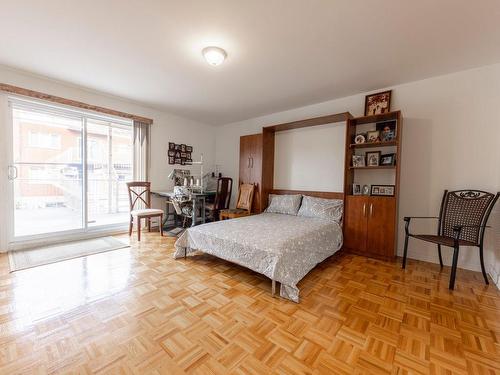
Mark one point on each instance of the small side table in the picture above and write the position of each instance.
(233, 214)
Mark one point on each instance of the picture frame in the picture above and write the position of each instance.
(373, 158)
(189, 149)
(387, 130)
(356, 189)
(360, 139)
(171, 160)
(373, 136)
(383, 190)
(388, 159)
(358, 161)
(378, 103)
(183, 148)
(171, 145)
(171, 152)
(365, 190)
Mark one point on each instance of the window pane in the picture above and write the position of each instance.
(48, 190)
(109, 167)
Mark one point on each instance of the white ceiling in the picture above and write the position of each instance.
(281, 53)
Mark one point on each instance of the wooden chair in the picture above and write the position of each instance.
(140, 191)
(222, 198)
(244, 205)
(461, 222)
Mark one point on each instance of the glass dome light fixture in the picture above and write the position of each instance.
(214, 55)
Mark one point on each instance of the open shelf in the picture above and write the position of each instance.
(377, 167)
(374, 144)
(395, 115)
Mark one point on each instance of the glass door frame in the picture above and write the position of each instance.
(85, 230)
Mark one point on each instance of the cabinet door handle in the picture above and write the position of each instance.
(364, 209)
(252, 163)
(371, 209)
(248, 165)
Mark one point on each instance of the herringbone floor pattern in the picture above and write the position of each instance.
(138, 311)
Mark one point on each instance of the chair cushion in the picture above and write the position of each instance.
(146, 212)
(441, 240)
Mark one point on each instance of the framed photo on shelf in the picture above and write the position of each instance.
(387, 130)
(366, 190)
(383, 190)
(376, 104)
(373, 136)
(388, 159)
(358, 161)
(373, 158)
(360, 138)
(356, 189)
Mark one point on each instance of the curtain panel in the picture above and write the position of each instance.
(142, 152)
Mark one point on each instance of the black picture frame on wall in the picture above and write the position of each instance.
(179, 153)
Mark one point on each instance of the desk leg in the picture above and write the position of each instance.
(203, 218)
(193, 216)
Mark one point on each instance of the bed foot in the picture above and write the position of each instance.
(273, 288)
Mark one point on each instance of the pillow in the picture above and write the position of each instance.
(322, 208)
(284, 204)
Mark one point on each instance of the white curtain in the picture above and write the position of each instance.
(142, 153)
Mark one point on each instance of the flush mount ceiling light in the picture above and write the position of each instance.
(214, 55)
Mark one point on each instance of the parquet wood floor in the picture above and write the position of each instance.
(138, 311)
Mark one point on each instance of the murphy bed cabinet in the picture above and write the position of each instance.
(370, 222)
(251, 166)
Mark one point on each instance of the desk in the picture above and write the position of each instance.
(198, 200)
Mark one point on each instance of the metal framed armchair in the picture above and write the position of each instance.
(462, 221)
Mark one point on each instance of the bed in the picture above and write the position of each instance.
(280, 246)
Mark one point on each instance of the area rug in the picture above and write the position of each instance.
(22, 259)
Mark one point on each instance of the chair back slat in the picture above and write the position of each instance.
(245, 197)
(466, 207)
(139, 192)
(223, 195)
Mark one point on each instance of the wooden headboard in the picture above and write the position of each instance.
(317, 194)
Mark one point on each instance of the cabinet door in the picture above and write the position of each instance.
(381, 226)
(355, 225)
(245, 150)
(256, 170)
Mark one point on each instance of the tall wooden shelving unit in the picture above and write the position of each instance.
(370, 222)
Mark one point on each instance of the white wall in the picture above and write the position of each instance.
(451, 140)
(310, 158)
(166, 127)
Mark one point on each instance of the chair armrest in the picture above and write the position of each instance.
(460, 227)
(408, 218)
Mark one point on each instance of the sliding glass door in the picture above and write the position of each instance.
(68, 170)
(47, 172)
(109, 166)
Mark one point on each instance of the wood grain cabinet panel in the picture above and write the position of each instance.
(381, 229)
(251, 166)
(355, 225)
(370, 228)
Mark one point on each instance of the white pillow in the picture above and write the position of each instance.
(284, 204)
(322, 208)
